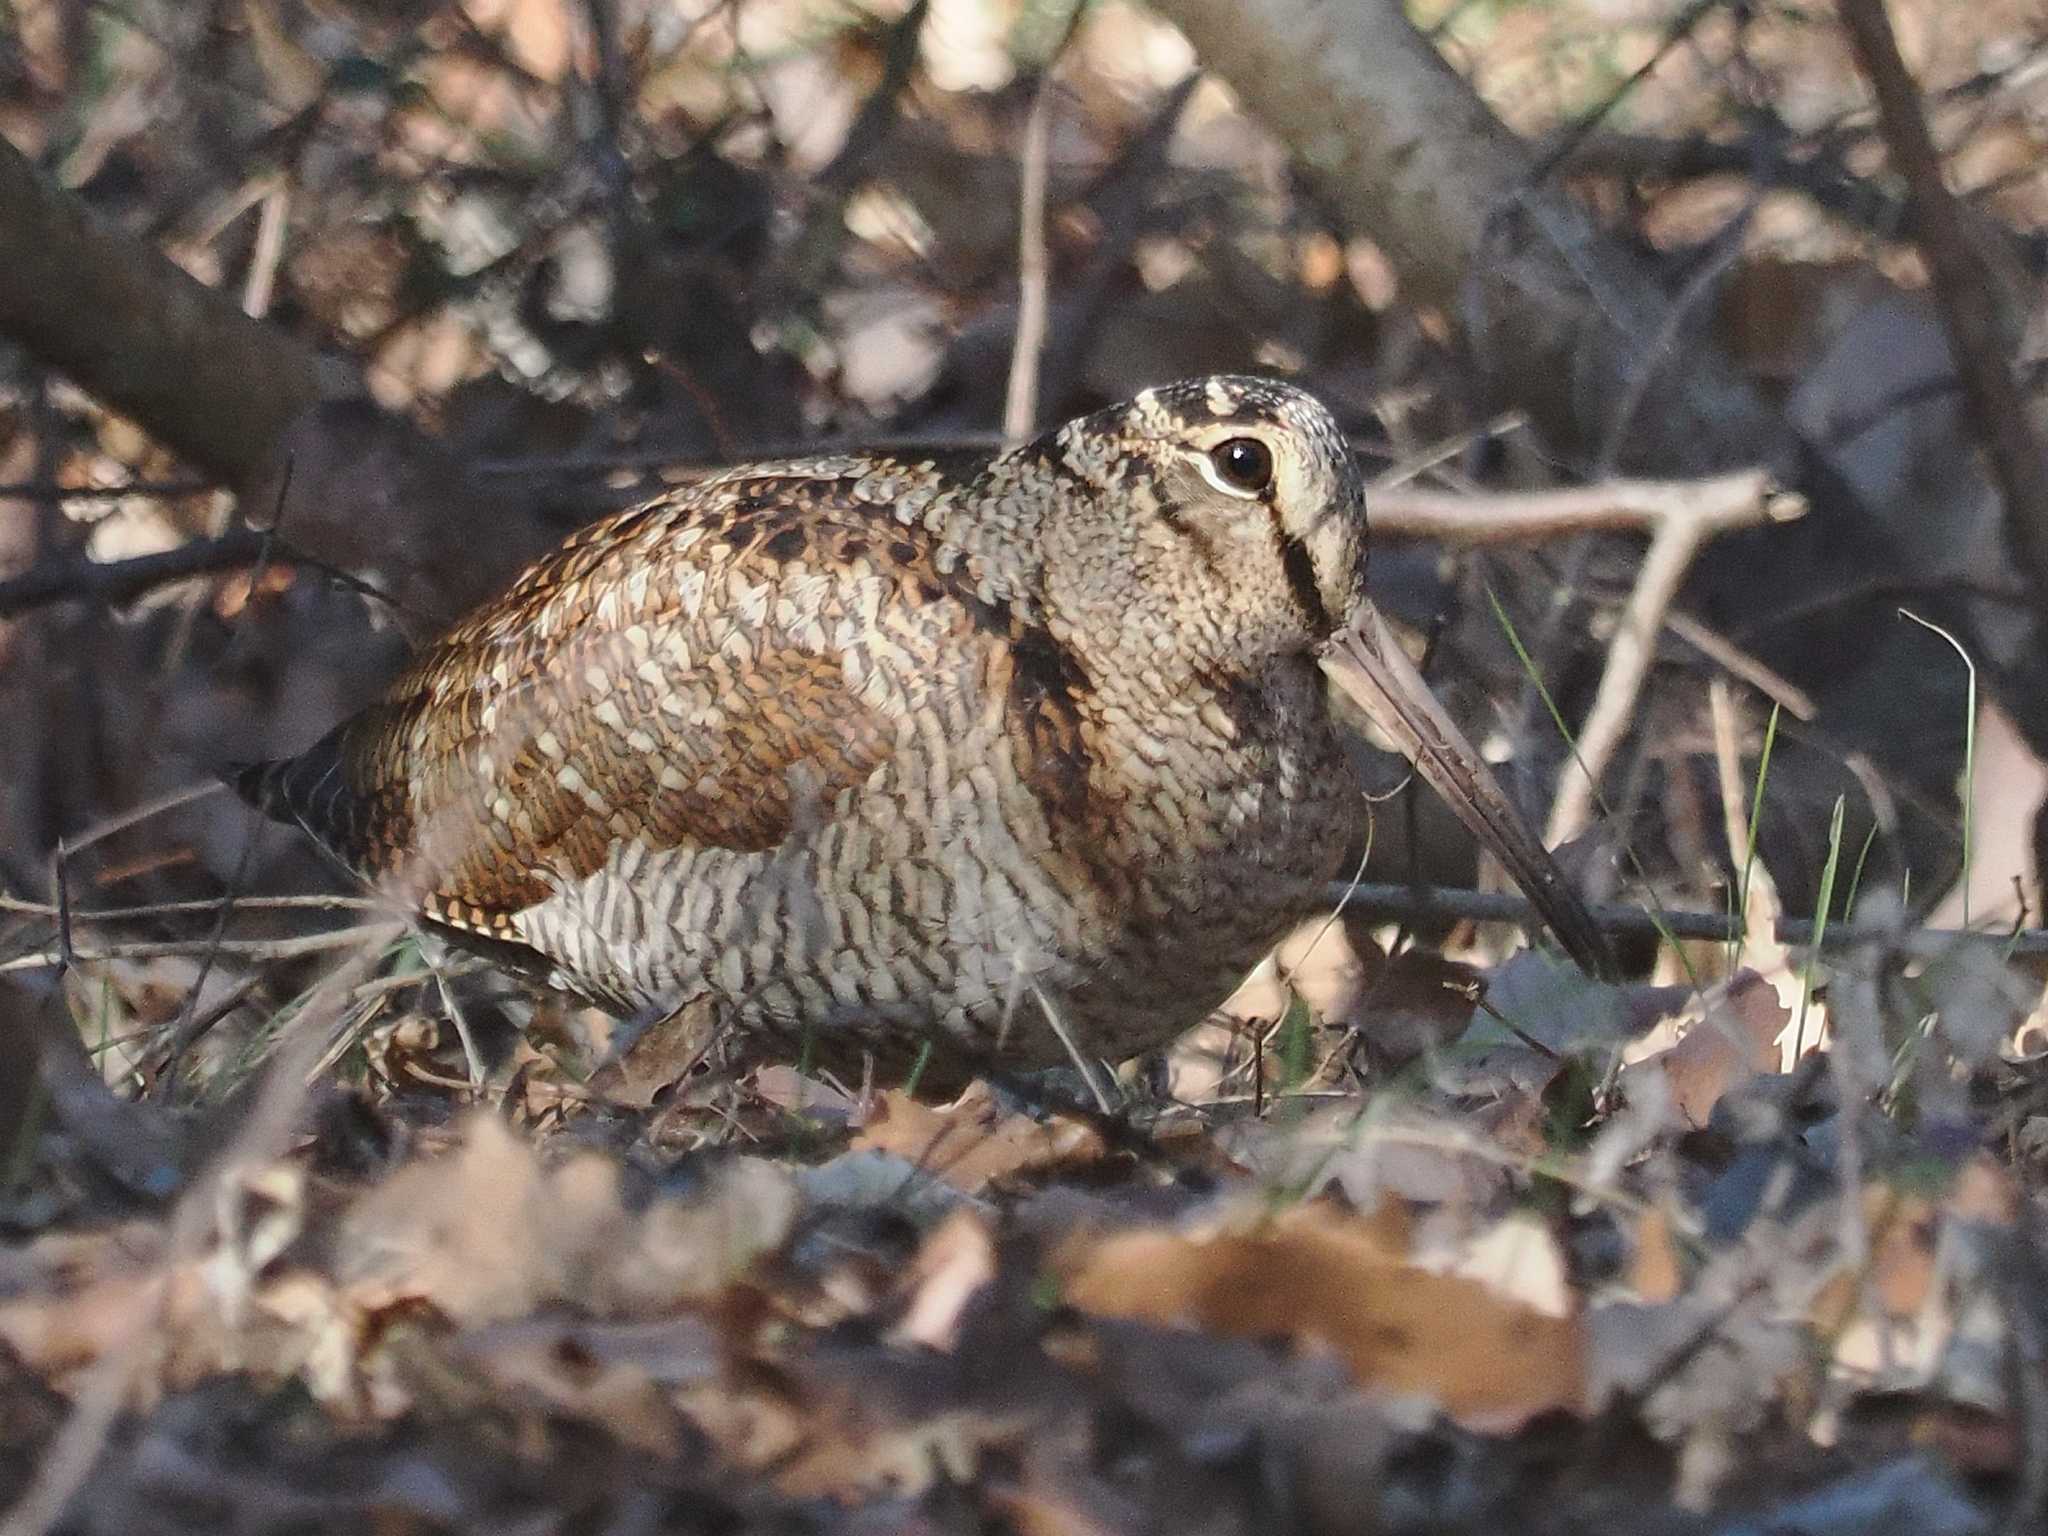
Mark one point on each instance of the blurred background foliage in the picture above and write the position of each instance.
(583, 245)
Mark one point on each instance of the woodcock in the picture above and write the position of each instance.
(868, 753)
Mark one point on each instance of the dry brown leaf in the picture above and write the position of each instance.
(1902, 1227)
(1734, 1039)
(1322, 1277)
(551, 1361)
(839, 1459)
(1517, 1259)
(1654, 1273)
(1045, 1511)
(536, 32)
(1985, 1191)
(787, 1088)
(55, 1334)
(974, 1142)
(292, 77)
(486, 1233)
(833, 1443)
(956, 1261)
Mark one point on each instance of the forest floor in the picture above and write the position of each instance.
(1597, 1258)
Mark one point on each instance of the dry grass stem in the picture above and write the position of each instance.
(257, 950)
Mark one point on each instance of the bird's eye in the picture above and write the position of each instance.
(1243, 465)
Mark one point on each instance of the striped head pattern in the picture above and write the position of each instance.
(1229, 508)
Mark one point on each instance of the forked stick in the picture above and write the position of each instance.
(1681, 515)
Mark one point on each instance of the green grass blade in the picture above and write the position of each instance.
(1969, 796)
(1820, 925)
(1756, 816)
(1564, 731)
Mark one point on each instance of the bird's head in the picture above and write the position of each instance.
(1230, 507)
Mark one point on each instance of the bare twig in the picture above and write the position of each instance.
(1660, 349)
(244, 949)
(1682, 27)
(1683, 517)
(115, 582)
(1420, 903)
(1738, 663)
(206, 906)
(1455, 446)
(802, 271)
(269, 252)
(50, 490)
(1020, 399)
(1965, 290)
(1505, 517)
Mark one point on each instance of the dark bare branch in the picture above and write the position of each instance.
(1965, 290)
(122, 321)
(1420, 903)
(114, 582)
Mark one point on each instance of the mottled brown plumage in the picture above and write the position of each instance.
(877, 752)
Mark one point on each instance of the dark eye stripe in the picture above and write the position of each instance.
(1205, 547)
(1300, 571)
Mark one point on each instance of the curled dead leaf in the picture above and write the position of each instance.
(957, 1260)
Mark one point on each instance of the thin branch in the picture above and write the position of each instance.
(114, 583)
(1965, 290)
(117, 582)
(207, 907)
(50, 490)
(1738, 663)
(1020, 399)
(1681, 29)
(259, 950)
(1684, 517)
(1418, 903)
(1505, 517)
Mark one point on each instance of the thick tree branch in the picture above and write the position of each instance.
(1404, 150)
(119, 319)
(1965, 290)
(368, 492)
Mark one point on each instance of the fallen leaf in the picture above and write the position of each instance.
(1324, 1278)
(487, 1232)
(844, 1434)
(1654, 1272)
(535, 32)
(589, 1372)
(974, 1142)
(956, 1261)
(1733, 1039)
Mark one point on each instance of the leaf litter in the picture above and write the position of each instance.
(1569, 1256)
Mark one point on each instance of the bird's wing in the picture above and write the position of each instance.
(707, 671)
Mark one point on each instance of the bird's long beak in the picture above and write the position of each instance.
(1367, 662)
